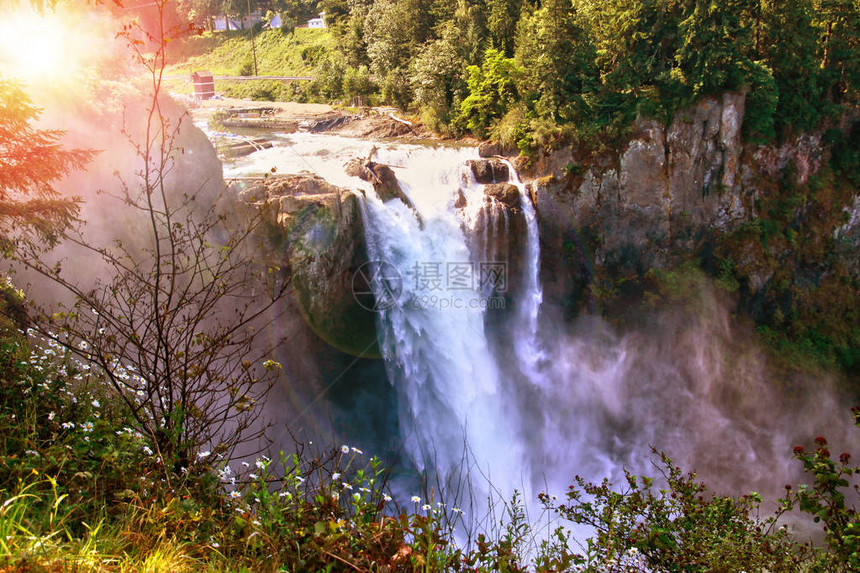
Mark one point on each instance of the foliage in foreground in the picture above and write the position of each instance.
(80, 490)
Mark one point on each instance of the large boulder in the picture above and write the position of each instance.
(506, 193)
(381, 176)
(489, 170)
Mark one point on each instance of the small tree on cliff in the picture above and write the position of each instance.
(173, 327)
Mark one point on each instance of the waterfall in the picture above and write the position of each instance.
(438, 356)
(527, 343)
(448, 259)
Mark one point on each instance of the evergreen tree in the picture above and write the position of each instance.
(492, 91)
(839, 25)
(32, 161)
(789, 49)
(557, 60)
(502, 19)
(713, 46)
(437, 79)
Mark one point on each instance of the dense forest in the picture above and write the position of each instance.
(526, 73)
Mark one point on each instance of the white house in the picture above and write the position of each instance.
(221, 23)
(317, 22)
(276, 21)
(243, 24)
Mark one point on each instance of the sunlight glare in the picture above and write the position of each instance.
(39, 47)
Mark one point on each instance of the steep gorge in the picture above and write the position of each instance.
(674, 367)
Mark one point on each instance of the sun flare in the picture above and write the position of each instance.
(38, 47)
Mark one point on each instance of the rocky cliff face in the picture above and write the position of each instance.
(318, 229)
(661, 195)
(667, 183)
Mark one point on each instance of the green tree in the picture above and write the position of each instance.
(789, 45)
(199, 11)
(357, 84)
(437, 80)
(557, 60)
(838, 22)
(237, 8)
(714, 44)
(351, 33)
(32, 161)
(492, 91)
(467, 32)
(394, 31)
(637, 45)
(502, 19)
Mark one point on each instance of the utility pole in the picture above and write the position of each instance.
(253, 47)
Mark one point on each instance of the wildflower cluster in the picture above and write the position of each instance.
(58, 421)
(332, 503)
(826, 499)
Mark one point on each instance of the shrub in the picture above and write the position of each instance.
(677, 528)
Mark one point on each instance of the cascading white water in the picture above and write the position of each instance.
(527, 343)
(452, 399)
(434, 338)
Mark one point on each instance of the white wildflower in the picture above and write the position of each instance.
(416, 499)
(426, 507)
(234, 494)
(344, 449)
(203, 455)
(335, 476)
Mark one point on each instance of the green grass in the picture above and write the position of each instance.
(230, 53)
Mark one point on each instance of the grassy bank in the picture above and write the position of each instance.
(232, 54)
